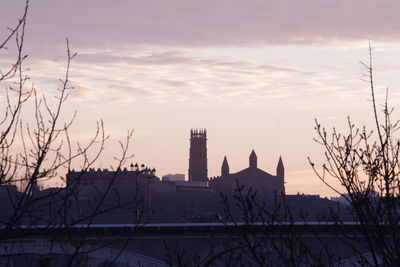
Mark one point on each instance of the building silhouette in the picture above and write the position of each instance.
(173, 177)
(198, 156)
(266, 184)
(140, 194)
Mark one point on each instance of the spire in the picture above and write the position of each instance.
(280, 169)
(280, 174)
(253, 159)
(225, 167)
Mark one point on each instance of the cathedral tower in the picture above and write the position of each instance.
(225, 167)
(253, 159)
(198, 155)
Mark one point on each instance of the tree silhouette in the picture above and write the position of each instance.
(366, 164)
(38, 148)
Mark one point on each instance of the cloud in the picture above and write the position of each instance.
(154, 58)
(205, 23)
(180, 74)
(160, 50)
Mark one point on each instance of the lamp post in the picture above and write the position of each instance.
(149, 173)
(137, 171)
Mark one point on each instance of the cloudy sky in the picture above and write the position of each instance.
(254, 73)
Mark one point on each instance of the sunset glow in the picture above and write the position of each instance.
(255, 74)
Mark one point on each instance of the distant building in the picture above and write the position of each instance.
(198, 155)
(120, 191)
(173, 177)
(347, 199)
(9, 195)
(266, 184)
(136, 194)
(142, 194)
(193, 197)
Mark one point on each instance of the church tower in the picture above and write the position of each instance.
(225, 167)
(198, 155)
(253, 159)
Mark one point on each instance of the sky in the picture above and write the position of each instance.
(255, 74)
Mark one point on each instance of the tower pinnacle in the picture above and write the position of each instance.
(280, 173)
(280, 169)
(253, 159)
(225, 167)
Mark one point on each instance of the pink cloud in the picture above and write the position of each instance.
(205, 23)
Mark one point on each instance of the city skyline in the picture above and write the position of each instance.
(254, 74)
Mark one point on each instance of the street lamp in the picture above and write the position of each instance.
(137, 171)
(148, 173)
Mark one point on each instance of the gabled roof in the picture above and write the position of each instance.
(253, 172)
